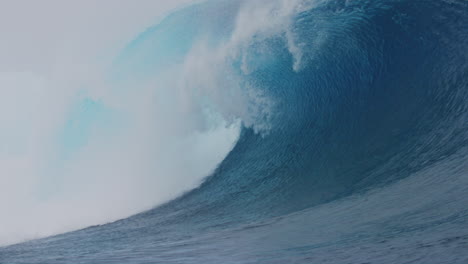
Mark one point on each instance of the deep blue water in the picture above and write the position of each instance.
(364, 158)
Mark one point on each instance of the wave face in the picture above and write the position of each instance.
(353, 146)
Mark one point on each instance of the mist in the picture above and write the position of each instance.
(74, 150)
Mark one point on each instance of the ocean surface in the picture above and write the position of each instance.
(353, 144)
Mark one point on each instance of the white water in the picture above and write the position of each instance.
(73, 152)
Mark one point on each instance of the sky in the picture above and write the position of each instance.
(35, 34)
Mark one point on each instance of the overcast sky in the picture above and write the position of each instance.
(35, 34)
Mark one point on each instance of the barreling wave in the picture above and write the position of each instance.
(354, 135)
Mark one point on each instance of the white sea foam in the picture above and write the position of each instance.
(77, 151)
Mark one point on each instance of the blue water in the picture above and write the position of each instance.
(362, 158)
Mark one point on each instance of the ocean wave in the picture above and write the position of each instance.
(352, 141)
